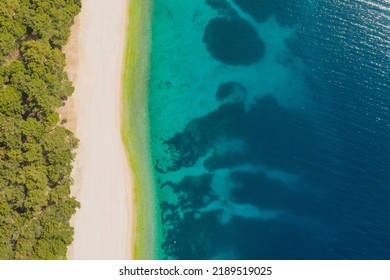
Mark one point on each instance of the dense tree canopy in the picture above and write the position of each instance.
(36, 152)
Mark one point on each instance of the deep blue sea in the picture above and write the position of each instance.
(270, 128)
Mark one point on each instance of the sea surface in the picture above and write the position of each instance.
(270, 128)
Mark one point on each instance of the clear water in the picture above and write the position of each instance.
(270, 128)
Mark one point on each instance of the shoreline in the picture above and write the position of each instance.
(103, 182)
(136, 128)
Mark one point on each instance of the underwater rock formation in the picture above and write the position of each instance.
(233, 41)
(260, 10)
(231, 92)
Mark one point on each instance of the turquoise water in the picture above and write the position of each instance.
(266, 141)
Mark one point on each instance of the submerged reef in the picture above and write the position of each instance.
(249, 163)
(233, 41)
(286, 12)
(260, 10)
(231, 91)
(262, 128)
(222, 7)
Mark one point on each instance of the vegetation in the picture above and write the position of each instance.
(36, 152)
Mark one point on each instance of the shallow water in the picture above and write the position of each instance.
(270, 128)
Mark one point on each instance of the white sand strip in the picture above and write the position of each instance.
(103, 181)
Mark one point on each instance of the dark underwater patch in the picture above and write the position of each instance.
(233, 41)
(273, 135)
(287, 12)
(191, 238)
(200, 135)
(231, 90)
(260, 10)
(222, 7)
(186, 236)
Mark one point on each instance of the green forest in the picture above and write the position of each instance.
(36, 151)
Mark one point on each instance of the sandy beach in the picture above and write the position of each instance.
(103, 182)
